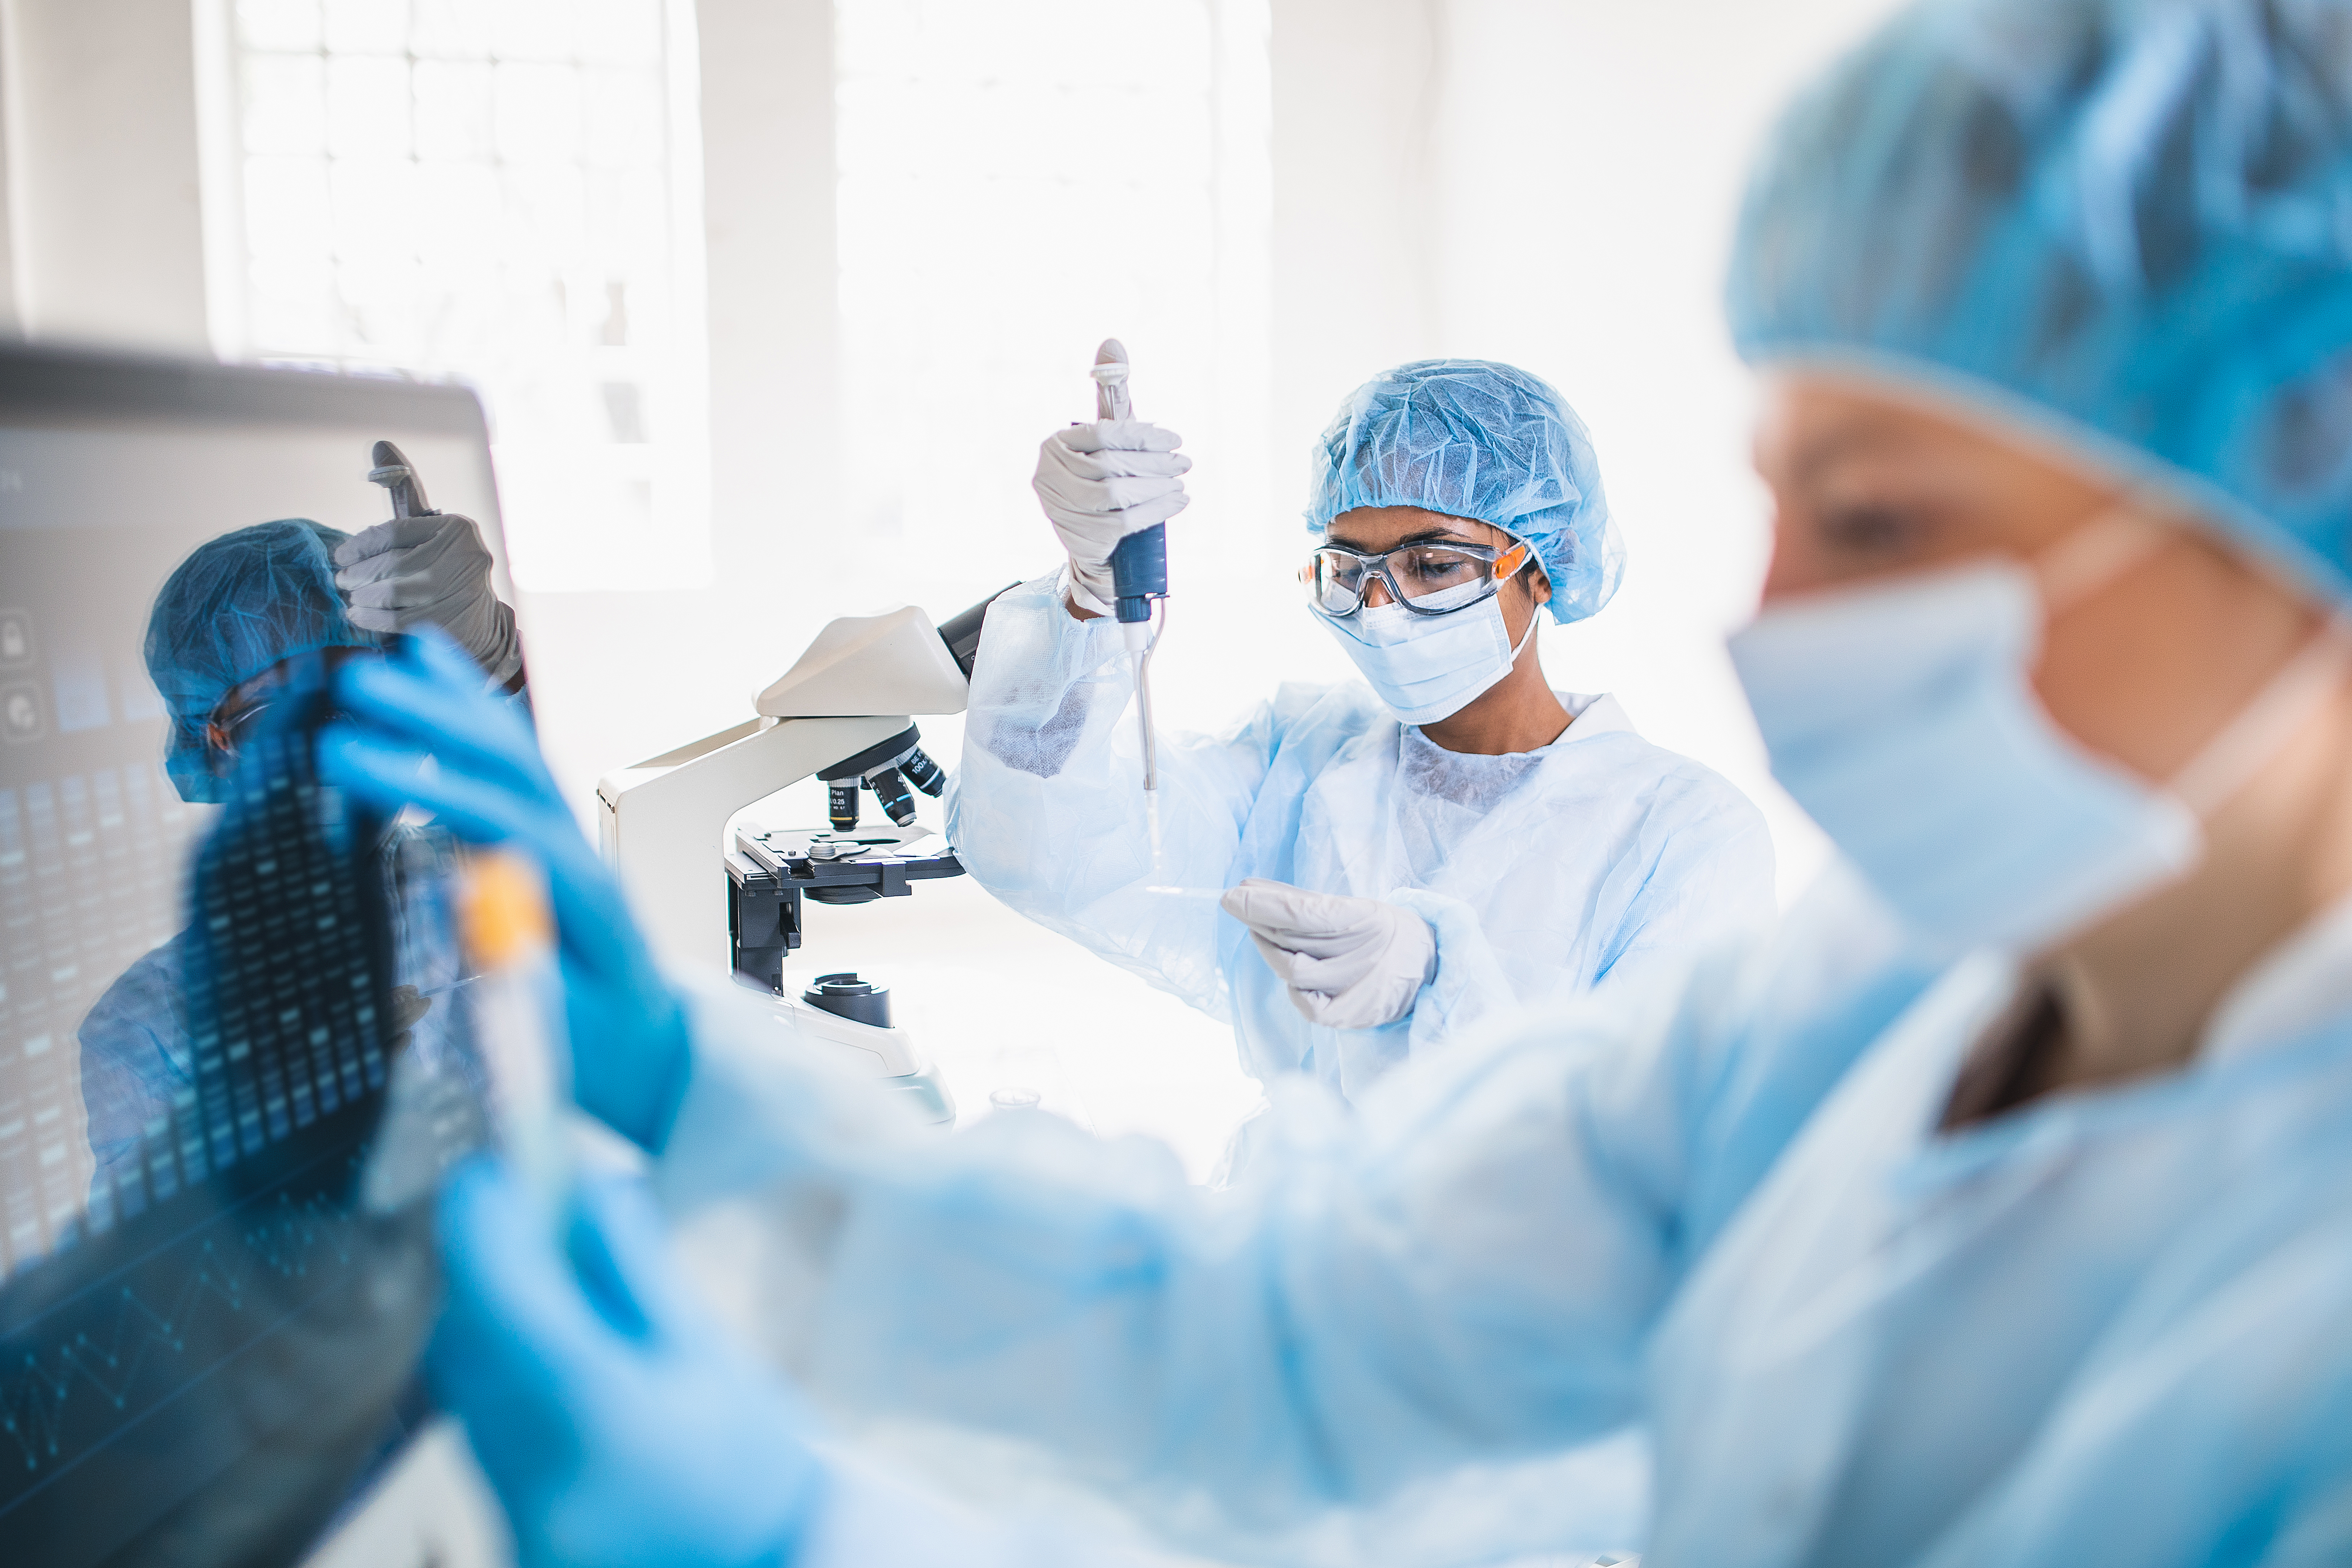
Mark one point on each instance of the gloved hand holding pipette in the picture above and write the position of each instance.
(1099, 483)
(1110, 506)
(431, 571)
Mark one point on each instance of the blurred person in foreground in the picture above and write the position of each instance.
(1997, 1209)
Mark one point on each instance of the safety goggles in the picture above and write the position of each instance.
(1430, 579)
(241, 714)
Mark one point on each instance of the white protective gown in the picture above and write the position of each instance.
(2112, 1326)
(1598, 860)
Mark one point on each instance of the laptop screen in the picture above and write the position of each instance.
(233, 1058)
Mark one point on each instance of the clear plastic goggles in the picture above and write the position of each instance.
(241, 714)
(1432, 579)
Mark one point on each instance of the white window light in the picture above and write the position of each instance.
(500, 192)
(1018, 181)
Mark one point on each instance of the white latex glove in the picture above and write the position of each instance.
(430, 572)
(1101, 482)
(1350, 963)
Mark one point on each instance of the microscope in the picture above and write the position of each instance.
(844, 713)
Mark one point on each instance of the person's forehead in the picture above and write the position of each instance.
(1814, 421)
(1805, 424)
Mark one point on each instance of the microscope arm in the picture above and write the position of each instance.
(663, 823)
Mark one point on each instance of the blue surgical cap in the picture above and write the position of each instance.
(1474, 439)
(2128, 223)
(239, 604)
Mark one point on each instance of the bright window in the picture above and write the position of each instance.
(503, 192)
(1018, 181)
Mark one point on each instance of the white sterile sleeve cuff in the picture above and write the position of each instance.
(1470, 983)
(1080, 594)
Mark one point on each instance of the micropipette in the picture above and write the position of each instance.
(1139, 569)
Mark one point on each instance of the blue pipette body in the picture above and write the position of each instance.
(1139, 573)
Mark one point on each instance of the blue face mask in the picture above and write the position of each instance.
(1428, 668)
(1903, 718)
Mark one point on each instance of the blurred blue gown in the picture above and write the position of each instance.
(1598, 860)
(2112, 1326)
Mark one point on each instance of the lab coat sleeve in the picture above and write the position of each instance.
(1707, 873)
(1471, 983)
(1464, 1270)
(870, 1520)
(1700, 870)
(1046, 811)
(133, 1064)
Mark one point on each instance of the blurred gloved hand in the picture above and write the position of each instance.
(430, 572)
(615, 1421)
(408, 1005)
(1350, 963)
(486, 784)
(1101, 482)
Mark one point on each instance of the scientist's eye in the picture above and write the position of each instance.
(1876, 530)
(1439, 567)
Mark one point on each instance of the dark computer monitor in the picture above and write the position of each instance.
(217, 1141)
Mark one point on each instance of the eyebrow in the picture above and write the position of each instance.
(1426, 536)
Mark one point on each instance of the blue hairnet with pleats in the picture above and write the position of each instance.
(1474, 440)
(2125, 222)
(237, 606)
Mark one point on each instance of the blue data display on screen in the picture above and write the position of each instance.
(249, 1292)
(234, 1060)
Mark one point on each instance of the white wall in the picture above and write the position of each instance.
(768, 219)
(1356, 88)
(105, 231)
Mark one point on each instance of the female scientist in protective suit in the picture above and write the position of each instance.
(1445, 839)
(219, 635)
(223, 625)
(1996, 1210)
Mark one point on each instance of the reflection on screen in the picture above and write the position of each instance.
(233, 1058)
